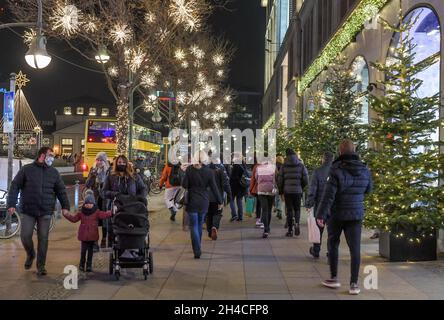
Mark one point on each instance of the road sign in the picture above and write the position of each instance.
(8, 112)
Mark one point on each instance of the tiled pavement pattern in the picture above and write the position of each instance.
(239, 265)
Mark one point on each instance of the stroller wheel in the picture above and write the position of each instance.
(150, 262)
(111, 264)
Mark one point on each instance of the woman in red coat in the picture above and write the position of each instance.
(89, 228)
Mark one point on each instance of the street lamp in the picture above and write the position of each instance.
(102, 56)
(37, 56)
(156, 115)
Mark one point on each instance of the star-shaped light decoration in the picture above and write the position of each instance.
(21, 80)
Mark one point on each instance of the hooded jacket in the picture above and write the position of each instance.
(348, 182)
(317, 185)
(293, 176)
(89, 222)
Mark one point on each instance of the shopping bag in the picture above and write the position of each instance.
(249, 206)
(314, 235)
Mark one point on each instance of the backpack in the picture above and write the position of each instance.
(245, 179)
(174, 178)
(266, 178)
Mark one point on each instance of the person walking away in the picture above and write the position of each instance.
(214, 214)
(88, 233)
(316, 189)
(171, 179)
(122, 180)
(263, 181)
(198, 179)
(342, 207)
(38, 184)
(292, 179)
(95, 181)
(253, 192)
(277, 199)
(239, 174)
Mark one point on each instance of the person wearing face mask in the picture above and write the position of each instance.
(95, 181)
(38, 184)
(122, 180)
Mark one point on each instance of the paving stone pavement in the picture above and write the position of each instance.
(239, 265)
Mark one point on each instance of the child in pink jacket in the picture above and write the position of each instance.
(89, 228)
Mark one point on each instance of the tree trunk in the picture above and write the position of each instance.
(122, 127)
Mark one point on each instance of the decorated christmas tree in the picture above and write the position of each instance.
(405, 162)
(343, 108)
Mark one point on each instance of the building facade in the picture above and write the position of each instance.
(245, 113)
(68, 137)
(321, 30)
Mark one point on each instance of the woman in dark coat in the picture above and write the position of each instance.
(123, 180)
(238, 191)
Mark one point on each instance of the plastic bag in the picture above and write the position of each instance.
(314, 234)
(249, 206)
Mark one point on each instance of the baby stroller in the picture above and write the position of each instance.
(130, 227)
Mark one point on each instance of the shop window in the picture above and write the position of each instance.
(105, 112)
(67, 111)
(92, 111)
(361, 72)
(80, 110)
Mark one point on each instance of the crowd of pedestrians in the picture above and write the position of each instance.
(334, 195)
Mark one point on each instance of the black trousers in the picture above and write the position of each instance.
(293, 207)
(352, 232)
(258, 208)
(267, 206)
(214, 215)
(86, 253)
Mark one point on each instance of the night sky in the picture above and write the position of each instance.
(243, 25)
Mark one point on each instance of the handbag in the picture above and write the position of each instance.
(314, 234)
(181, 197)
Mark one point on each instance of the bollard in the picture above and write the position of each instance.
(76, 195)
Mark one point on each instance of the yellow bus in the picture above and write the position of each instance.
(100, 136)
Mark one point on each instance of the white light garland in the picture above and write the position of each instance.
(67, 18)
(179, 54)
(148, 80)
(185, 12)
(218, 59)
(113, 71)
(121, 33)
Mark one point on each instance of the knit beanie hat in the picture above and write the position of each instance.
(289, 152)
(102, 156)
(89, 197)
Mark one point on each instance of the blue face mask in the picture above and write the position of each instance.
(49, 160)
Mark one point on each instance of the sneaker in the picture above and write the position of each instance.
(88, 269)
(262, 226)
(259, 223)
(42, 271)
(374, 236)
(197, 255)
(297, 230)
(214, 233)
(29, 261)
(289, 234)
(354, 289)
(331, 283)
(173, 217)
(233, 219)
(313, 253)
(82, 268)
(265, 235)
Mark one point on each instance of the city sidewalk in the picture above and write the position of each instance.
(239, 265)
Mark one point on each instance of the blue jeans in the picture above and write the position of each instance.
(278, 203)
(196, 223)
(240, 207)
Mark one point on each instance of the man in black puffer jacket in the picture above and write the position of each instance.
(342, 205)
(292, 179)
(38, 184)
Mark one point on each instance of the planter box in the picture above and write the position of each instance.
(401, 249)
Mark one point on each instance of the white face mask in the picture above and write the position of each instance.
(49, 160)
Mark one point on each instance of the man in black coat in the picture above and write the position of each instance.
(38, 184)
(342, 205)
(317, 186)
(292, 179)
